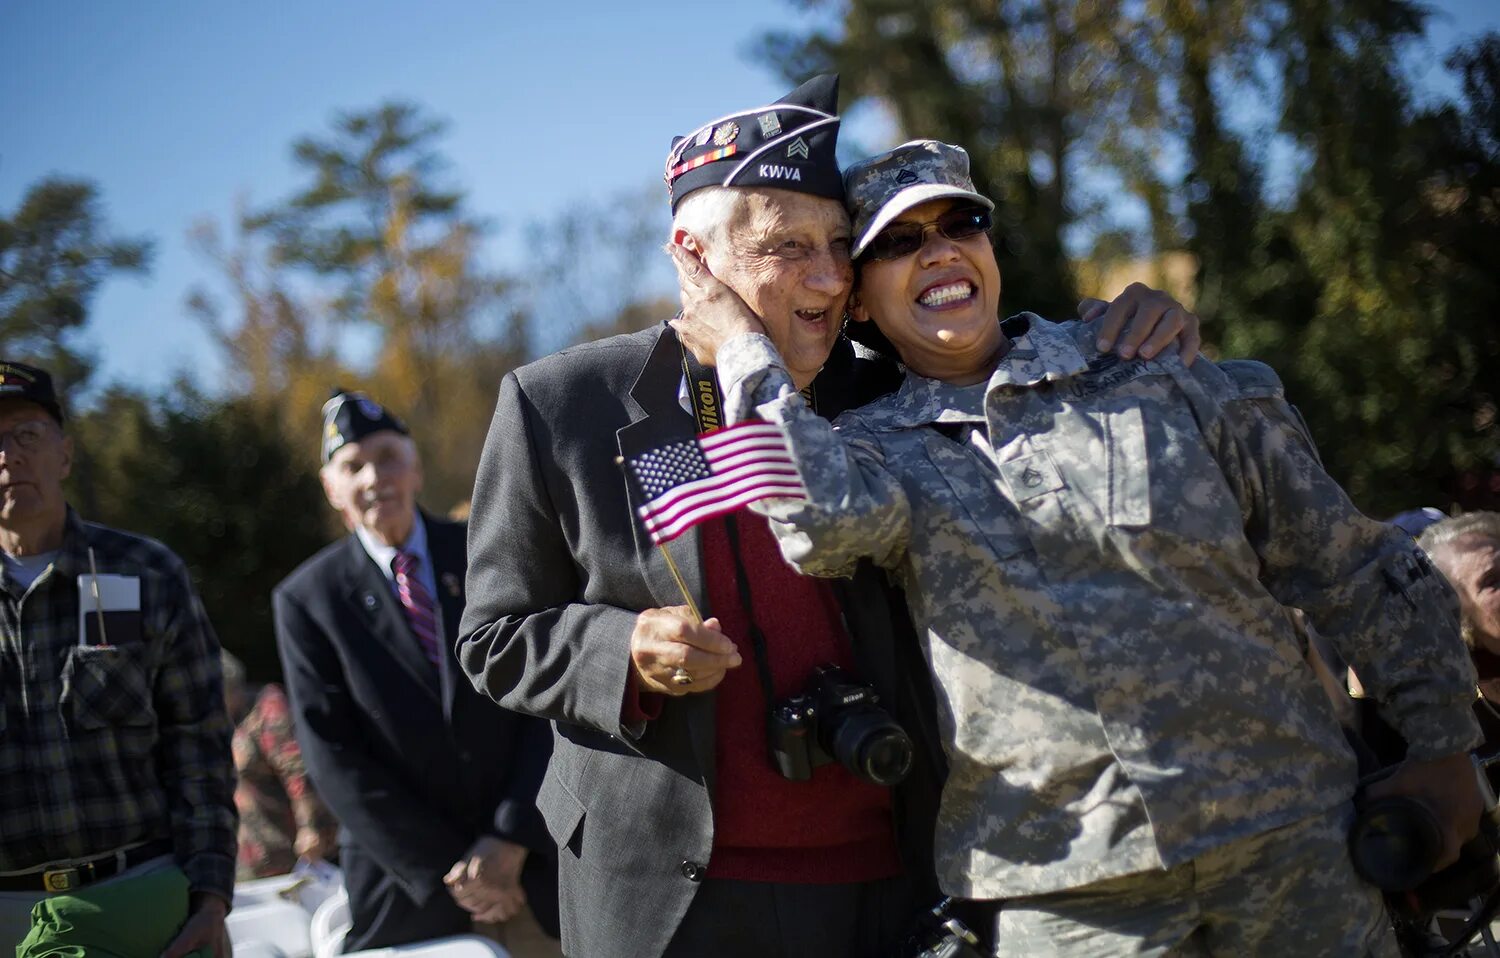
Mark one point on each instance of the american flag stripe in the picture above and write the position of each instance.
(734, 467)
(730, 481)
(722, 497)
(718, 508)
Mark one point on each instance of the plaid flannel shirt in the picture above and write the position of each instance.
(103, 747)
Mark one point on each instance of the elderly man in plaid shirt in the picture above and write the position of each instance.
(117, 821)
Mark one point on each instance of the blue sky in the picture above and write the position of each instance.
(177, 109)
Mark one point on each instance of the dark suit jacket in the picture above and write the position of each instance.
(558, 572)
(415, 764)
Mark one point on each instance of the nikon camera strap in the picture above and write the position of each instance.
(708, 410)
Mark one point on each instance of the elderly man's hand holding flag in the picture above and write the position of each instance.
(686, 481)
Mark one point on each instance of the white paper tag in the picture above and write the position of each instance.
(116, 593)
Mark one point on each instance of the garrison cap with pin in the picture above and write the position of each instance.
(351, 416)
(20, 381)
(788, 144)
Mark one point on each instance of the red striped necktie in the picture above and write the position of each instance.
(421, 614)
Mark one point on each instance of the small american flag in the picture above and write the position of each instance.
(688, 481)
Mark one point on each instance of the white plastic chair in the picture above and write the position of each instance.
(262, 890)
(279, 924)
(330, 923)
(458, 946)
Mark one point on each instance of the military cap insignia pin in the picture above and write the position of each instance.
(702, 138)
(798, 147)
(725, 133)
(770, 125)
(369, 408)
(906, 176)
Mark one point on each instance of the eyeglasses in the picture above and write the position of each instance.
(27, 435)
(904, 239)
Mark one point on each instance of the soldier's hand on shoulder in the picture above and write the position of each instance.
(1143, 320)
(675, 655)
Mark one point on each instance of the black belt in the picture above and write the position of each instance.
(85, 872)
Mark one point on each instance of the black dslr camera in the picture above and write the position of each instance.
(837, 718)
(1394, 845)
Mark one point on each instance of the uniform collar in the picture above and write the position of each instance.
(1045, 352)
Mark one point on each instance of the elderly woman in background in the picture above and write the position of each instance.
(1466, 549)
(281, 817)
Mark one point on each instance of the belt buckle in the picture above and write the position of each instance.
(60, 879)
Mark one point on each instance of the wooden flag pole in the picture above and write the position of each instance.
(687, 596)
(681, 585)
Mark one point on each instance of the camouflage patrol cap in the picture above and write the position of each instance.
(883, 187)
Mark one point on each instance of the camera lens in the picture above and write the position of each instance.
(870, 744)
(1394, 843)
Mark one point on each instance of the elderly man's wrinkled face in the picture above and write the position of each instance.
(374, 483)
(787, 256)
(1472, 564)
(35, 458)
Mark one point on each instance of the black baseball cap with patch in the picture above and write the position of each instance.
(20, 381)
(788, 144)
(351, 416)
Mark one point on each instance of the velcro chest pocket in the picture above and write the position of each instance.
(962, 489)
(107, 686)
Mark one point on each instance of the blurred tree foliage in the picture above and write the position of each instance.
(215, 480)
(55, 250)
(599, 275)
(372, 245)
(1367, 275)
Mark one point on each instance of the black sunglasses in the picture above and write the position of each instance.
(904, 239)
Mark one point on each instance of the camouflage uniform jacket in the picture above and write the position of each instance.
(1097, 553)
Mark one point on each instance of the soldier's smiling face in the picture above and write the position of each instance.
(940, 305)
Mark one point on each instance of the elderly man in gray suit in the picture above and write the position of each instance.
(677, 830)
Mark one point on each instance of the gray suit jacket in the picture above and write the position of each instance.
(558, 571)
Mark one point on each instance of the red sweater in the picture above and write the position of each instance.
(832, 828)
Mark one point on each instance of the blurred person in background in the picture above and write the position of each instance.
(117, 816)
(281, 817)
(433, 785)
(1466, 549)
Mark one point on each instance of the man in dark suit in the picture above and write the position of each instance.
(677, 834)
(434, 785)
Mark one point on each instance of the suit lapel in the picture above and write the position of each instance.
(368, 591)
(446, 546)
(657, 417)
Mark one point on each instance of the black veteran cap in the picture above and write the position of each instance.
(20, 381)
(350, 417)
(788, 144)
